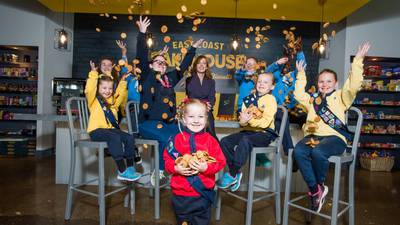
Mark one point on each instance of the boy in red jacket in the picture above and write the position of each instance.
(193, 157)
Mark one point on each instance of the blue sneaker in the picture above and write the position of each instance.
(226, 181)
(238, 179)
(262, 160)
(129, 174)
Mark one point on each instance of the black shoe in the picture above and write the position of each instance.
(295, 168)
(137, 158)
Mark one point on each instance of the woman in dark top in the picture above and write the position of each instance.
(201, 85)
(157, 98)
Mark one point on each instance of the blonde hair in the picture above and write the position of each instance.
(269, 74)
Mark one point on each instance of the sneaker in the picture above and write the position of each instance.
(318, 199)
(163, 178)
(226, 181)
(262, 160)
(129, 174)
(238, 178)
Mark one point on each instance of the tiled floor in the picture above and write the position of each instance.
(28, 195)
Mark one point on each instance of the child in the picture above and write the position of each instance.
(245, 78)
(325, 132)
(193, 181)
(257, 118)
(157, 100)
(201, 85)
(103, 126)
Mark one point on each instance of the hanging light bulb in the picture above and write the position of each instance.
(235, 44)
(63, 37)
(321, 48)
(149, 40)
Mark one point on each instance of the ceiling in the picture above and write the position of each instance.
(300, 10)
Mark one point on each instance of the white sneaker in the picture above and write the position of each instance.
(163, 178)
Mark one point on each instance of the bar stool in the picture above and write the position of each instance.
(275, 148)
(132, 111)
(80, 139)
(347, 158)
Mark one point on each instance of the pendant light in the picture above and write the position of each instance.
(61, 41)
(235, 39)
(149, 36)
(322, 41)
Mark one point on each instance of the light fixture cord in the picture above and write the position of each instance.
(63, 14)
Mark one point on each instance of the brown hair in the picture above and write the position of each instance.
(327, 71)
(114, 73)
(269, 74)
(208, 74)
(181, 109)
(104, 78)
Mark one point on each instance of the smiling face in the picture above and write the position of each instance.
(265, 83)
(251, 64)
(201, 65)
(326, 82)
(159, 64)
(106, 66)
(195, 116)
(105, 88)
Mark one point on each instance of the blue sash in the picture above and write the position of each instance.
(108, 114)
(328, 117)
(194, 180)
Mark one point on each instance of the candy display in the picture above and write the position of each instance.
(18, 100)
(367, 101)
(378, 145)
(379, 129)
(380, 85)
(380, 115)
(14, 87)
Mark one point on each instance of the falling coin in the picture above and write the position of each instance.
(183, 50)
(251, 28)
(283, 17)
(258, 46)
(184, 8)
(257, 39)
(325, 25)
(293, 28)
(101, 14)
(165, 100)
(164, 116)
(196, 21)
(177, 57)
(152, 90)
(140, 88)
(318, 100)
(180, 20)
(98, 29)
(135, 61)
(159, 126)
(121, 62)
(266, 39)
(248, 30)
(138, 70)
(164, 29)
(194, 28)
(130, 17)
(145, 106)
(147, 12)
(123, 35)
(247, 40)
(274, 6)
(107, 15)
(179, 16)
(171, 104)
(285, 32)
(115, 17)
(167, 39)
(203, 2)
(317, 119)
(257, 28)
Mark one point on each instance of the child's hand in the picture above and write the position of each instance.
(282, 60)
(143, 24)
(209, 106)
(198, 166)
(363, 50)
(165, 50)
(123, 78)
(184, 171)
(198, 43)
(245, 116)
(93, 66)
(301, 66)
(122, 46)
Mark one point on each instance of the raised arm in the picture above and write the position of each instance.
(353, 83)
(300, 93)
(276, 67)
(187, 61)
(142, 50)
(91, 84)
(122, 46)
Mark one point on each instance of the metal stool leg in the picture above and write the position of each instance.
(250, 190)
(336, 192)
(101, 195)
(152, 162)
(277, 188)
(218, 207)
(351, 193)
(287, 188)
(157, 186)
(70, 193)
(132, 194)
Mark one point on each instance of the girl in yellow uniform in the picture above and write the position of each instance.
(325, 132)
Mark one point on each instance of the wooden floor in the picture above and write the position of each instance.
(28, 195)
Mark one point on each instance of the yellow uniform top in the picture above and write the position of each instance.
(268, 106)
(338, 102)
(97, 118)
